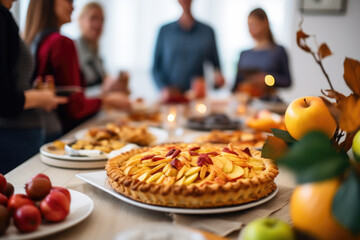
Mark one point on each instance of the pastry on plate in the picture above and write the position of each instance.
(192, 175)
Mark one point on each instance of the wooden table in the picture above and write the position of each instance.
(110, 215)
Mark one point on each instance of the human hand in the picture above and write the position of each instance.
(170, 94)
(45, 99)
(116, 100)
(219, 79)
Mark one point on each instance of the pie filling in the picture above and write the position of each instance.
(192, 175)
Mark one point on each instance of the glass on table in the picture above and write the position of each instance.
(173, 118)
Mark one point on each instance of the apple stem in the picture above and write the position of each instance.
(307, 105)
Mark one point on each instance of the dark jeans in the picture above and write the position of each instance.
(18, 145)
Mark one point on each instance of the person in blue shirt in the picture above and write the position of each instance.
(181, 50)
(266, 58)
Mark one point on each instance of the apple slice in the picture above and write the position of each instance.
(228, 165)
(236, 173)
(217, 162)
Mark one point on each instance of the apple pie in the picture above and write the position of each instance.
(192, 175)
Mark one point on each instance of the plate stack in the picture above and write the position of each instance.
(59, 158)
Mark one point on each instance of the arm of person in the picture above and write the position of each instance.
(157, 70)
(44, 99)
(11, 100)
(282, 78)
(67, 73)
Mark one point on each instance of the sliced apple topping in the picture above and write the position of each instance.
(130, 170)
(154, 177)
(192, 171)
(160, 179)
(227, 150)
(236, 173)
(191, 178)
(176, 163)
(203, 171)
(144, 176)
(181, 173)
(257, 164)
(180, 181)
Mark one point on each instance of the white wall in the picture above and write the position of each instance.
(341, 33)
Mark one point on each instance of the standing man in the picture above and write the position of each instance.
(182, 48)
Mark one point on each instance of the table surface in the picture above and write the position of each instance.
(110, 215)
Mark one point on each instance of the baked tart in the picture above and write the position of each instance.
(192, 175)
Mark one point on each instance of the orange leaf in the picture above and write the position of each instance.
(333, 109)
(350, 113)
(352, 75)
(300, 40)
(333, 94)
(274, 147)
(324, 51)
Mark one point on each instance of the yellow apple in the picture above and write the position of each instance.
(307, 114)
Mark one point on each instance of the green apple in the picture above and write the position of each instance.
(268, 229)
(356, 146)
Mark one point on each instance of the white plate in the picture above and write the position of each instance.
(100, 180)
(55, 162)
(81, 206)
(160, 134)
(60, 154)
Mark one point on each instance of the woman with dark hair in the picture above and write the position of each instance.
(21, 132)
(266, 58)
(56, 55)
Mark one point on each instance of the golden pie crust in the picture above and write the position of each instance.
(173, 175)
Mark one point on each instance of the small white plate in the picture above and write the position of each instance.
(60, 154)
(55, 162)
(160, 134)
(80, 208)
(100, 180)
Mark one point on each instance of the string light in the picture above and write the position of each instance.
(269, 80)
(201, 108)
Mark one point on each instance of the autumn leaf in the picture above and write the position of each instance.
(333, 94)
(274, 147)
(349, 120)
(333, 109)
(324, 51)
(352, 75)
(300, 40)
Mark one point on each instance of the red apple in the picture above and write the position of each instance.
(18, 200)
(4, 219)
(27, 218)
(55, 207)
(63, 190)
(41, 175)
(9, 190)
(38, 188)
(2, 183)
(3, 200)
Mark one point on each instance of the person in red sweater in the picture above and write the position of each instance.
(56, 55)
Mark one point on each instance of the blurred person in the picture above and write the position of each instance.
(266, 58)
(56, 55)
(91, 21)
(181, 50)
(21, 132)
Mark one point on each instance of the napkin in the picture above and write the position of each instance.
(226, 223)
